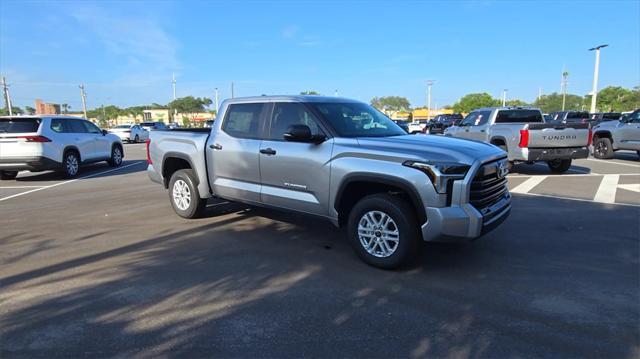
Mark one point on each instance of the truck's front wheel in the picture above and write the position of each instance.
(383, 231)
(559, 166)
(183, 194)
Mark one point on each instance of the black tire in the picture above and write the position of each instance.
(136, 139)
(70, 164)
(505, 149)
(602, 148)
(116, 156)
(402, 214)
(8, 175)
(559, 166)
(196, 206)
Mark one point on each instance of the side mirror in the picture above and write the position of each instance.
(298, 133)
(104, 132)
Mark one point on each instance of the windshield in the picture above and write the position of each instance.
(19, 125)
(357, 120)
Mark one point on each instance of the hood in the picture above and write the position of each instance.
(433, 148)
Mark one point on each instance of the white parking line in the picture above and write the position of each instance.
(528, 185)
(577, 199)
(607, 191)
(614, 162)
(69, 181)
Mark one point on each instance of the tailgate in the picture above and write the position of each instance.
(546, 135)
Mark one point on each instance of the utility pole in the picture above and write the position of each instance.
(594, 91)
(429, 84)
(232, 93)
(84, 100)
(504, 97)
(217, 102)
(539, 92)
(7, 97)
(565, 76)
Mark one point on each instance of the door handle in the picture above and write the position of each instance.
(268, 151)
(481, 130)
(215, 146)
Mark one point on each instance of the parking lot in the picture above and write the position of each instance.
(101, 266)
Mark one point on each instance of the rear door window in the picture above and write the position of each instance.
(287, 114)
(483, 118)
(519, 116)
(19, 125)
(243, 120)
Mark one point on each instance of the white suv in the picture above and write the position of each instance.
(39, 143)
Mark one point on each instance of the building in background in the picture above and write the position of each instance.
(46, 108)
(423, 113)
(160, 114)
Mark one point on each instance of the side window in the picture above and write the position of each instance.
(243, 120)
(287, 114)
(57, 125)
(483, 118)
(470, 120)
(75, 126)
(91, 128)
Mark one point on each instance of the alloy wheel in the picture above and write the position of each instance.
(181, 195)
(378, 234)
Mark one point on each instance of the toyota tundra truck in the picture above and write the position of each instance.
(523, 134)
(341, 160)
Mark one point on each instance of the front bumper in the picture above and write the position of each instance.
(35, 164)
(461, 223)
(548, 154)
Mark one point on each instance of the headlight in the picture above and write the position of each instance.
(440, 173)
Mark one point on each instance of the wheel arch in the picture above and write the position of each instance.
(175, 161)
(357, 186)
(603, 134)
(71, 148)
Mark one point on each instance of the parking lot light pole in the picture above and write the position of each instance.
(504, 97)
(594, 90)
(429, 84)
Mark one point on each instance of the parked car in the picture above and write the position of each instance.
(402, 124)
(341, 160)
(523, 134)
(611, 136)
(604, 116)
(208, 124)
(442, 122)
(153, 125)
(571, 117)
(130, 133)
(418, 126)
(39, 143)
(173, 125)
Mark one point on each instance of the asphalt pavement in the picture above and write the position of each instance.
(100, 266)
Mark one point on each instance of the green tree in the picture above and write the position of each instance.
(516, 102)
(553, 102)
(391, 104)
(310, 92)
(473, 101)
(29, 110)
(14, 110)
(190, 104)
(617, 99)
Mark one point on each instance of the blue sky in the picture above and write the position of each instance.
(125, 51)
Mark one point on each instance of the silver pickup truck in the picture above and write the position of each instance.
(341, 160)
(611, 136)
(523, 134)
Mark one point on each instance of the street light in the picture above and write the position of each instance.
(594, 91)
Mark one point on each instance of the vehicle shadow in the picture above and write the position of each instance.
(540, 168)
(630, 156)
(94, 170)
(251, 282)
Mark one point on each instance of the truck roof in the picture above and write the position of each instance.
(289, 98)
(43, 116)
(507, 108)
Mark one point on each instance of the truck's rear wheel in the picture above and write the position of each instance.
(183, 194)
(602, 148)
(383, 231)
(559, 166)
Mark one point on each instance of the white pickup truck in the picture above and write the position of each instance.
(523, 134)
